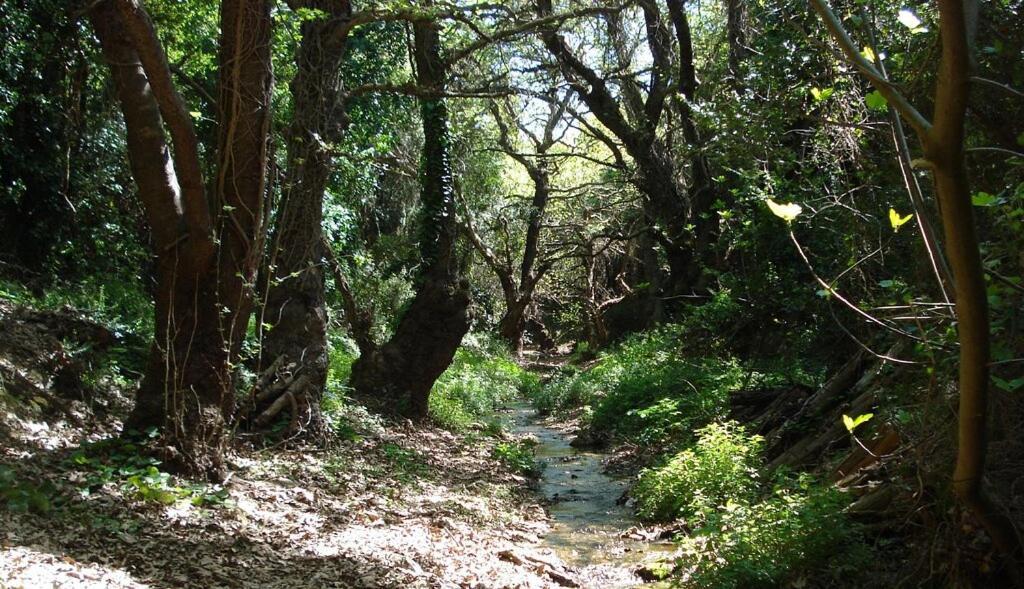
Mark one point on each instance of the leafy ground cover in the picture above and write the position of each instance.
(663, 409)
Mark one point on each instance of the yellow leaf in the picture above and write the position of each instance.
(851, 423)
(896, 220)
(868, 54)
(786, 212)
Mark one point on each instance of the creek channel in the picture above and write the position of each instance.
(588, 520)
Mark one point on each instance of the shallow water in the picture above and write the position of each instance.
(587, 521)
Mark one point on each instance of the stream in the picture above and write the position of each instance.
(587, 520)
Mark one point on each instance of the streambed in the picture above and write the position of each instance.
(588, 521)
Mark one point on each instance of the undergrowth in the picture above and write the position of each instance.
(721, 467)
(741, 534)
(119, 463)
(668, 390)
(519, 457)
(481, 379)
(657, 387)
(123, 306)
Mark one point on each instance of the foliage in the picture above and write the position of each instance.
(482, 378)
(798, 530)
(644, 388)
(519, 457)
(347, 420)
(721, 467)
(20, 496)
(120, 304)
(740, 537)
(124, 464)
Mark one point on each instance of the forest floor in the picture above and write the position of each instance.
(402, 506)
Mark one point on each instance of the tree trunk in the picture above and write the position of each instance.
(513, 323)
(398, 376)
(204, 296)
(295, 308)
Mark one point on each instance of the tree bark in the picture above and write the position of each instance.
(398, 377)
(204, 290)
(295, 309)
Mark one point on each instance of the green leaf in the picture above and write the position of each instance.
(876, 101)
(984, 199)
(852, 423)
(1009, 386)
(821, 95)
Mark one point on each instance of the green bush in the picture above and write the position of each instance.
(798, 530)
(721, 467)
(741, 537)
(644, 389)
(519, 456)
(482, 378)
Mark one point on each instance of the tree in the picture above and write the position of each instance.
(942, 140)
(519, 291)
(295, 311)
(207, 241)
(45, 125)
(680, 219)
(399, 374)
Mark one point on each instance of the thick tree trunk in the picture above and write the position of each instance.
(204, 300)
(295, 307)
(513, 323)
(398, 376)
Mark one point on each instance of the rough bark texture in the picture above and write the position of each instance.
(295, 307)
(204, 292)
(398, 376)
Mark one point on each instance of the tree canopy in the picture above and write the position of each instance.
(771, 251)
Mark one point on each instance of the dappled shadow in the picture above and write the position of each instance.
(392, 511)
(156, 548)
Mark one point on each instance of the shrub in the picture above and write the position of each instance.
(482, 378)
(519, 456)
(742, 538)
(720, 468)
(799, 529)
(337, 411)
(645, 390)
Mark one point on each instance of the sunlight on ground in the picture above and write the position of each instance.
(23, 567)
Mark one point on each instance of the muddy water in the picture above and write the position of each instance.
(587, 521)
